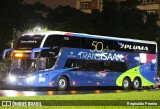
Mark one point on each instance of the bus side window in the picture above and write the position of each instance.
(73, 63)
(50, 62)
(113, 66)
(74, 42)
(53, 40)
(84, 66)
(107, 66)
(68, 64)
(89, 65)
(120, 66)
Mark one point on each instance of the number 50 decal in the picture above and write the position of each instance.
(98, 46)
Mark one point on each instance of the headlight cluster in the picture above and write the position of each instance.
(12, 78)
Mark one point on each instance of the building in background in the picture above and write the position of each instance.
(88, 6)
(151, 6)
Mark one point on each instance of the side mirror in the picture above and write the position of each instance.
(7, 53)
(37, 50)
(47, 53)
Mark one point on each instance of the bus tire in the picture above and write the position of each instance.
(62, 83)
(136, 84)
(126, 84)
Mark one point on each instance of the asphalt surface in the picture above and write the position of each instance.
(21, 91)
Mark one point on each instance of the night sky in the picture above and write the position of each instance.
(54, 3)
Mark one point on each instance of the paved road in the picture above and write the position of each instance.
(33, 92)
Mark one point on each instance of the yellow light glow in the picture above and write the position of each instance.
(73, 92)
(144, 90)
(97, 91)
(22, 51)
(118, 91)
(51, 83)
(50, 93)
(19, 55)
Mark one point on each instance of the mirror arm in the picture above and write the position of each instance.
(37, 50)
(5, 51)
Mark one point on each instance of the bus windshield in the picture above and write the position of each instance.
(23, 65)
(28, 42)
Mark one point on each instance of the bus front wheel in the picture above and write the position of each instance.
(62, 83)
(126, 84)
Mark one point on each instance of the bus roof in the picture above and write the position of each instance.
(46, 33)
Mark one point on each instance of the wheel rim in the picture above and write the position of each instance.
(125, 83)
(62, 83)
(136, 83)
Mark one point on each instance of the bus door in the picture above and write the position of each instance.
(43, 72)
(45, 64)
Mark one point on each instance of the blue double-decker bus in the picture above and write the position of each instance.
(64, 59)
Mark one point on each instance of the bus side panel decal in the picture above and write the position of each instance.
(132, 73)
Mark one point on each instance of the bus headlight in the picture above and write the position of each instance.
(30, 79)
(12, 78)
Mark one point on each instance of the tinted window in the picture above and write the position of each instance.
(120, 66)
(89, 65)
(93, 65)
(98, 44)
(53, 40)
(70, 41)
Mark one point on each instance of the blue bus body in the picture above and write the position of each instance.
(86, 67)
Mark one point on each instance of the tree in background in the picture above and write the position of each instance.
(66, 18)
(125, 20)
(117, 20)
(16, 17)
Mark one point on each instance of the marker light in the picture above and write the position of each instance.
(74, 82)
(51, 83)
(19, 55)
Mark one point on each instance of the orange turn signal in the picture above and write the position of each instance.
(19, 55)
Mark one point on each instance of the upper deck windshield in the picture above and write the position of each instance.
(28, 42)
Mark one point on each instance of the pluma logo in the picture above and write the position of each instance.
(133, 47)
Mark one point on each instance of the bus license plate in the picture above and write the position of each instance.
(19, 83)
